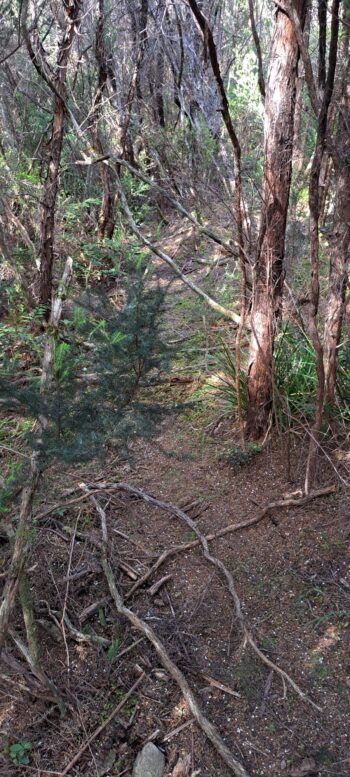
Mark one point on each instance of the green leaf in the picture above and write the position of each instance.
(113, 649)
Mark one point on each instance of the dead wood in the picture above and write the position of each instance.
(92, 608)
(289, 502)
(153, 590)
(247, 636)
(225, 312)
(203, 722)
(221, 687)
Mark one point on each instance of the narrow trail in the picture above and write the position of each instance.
(290, 570)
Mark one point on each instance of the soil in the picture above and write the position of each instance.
(292, 575)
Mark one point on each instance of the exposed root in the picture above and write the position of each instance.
(232, 527)
(203, 722)
(202, 540)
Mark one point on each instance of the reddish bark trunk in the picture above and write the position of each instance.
(267, 303)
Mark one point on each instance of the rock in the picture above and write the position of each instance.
(305, 768)
(149, 762)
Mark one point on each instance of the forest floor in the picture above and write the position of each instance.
(291, 572)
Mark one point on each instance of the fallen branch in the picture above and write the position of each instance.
(248, 638)
(225, 312)
(203, 722)
(221, 687)
(232, 527)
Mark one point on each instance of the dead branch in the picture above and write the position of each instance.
(232, 527)
(248, 638)
(225, 312)
(224, 688)
(92, 608)
(206, 726)
(175, 203)
(153, 590)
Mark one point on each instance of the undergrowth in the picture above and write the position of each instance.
(295, 380)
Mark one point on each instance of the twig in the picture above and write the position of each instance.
(92, 608)
(100, 728)
(153, 590)
(177, 730)
(67, 589)
(206, 726)
(221, 686)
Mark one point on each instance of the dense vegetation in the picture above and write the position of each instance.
(174, 206)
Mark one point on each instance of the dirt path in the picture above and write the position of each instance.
(291, 572)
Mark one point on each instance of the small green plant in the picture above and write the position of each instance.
(237, 457)
(19, 753)
(113, 649)
(224, 382)
(294, 373)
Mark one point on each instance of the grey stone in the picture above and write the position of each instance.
(150, 762)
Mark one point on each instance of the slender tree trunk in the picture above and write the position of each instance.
(339, 243)
(139, 31)
(106, 220)
(159, 88)
(261, 79)
(314, 205)
(269, 276)
(72, 10)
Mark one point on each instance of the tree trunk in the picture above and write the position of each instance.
(267, 302)
(51, 185)
(314, 206)
(106, 221)
(339, 244)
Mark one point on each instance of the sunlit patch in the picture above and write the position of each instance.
(325, 643)
(181, 711)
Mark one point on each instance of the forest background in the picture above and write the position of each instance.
(174, 245)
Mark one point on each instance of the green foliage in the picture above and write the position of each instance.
(12, 483)
(237, 458)
(343, 380)
(19, 753)
(224, 365)
(294, 373)
(113, 649)
(98, 365)
(136, 191)
(74, 211)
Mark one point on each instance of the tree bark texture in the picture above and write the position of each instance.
(339, 242)
(314, 206)
(72, 10)
(269, 276)
(106, 221)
